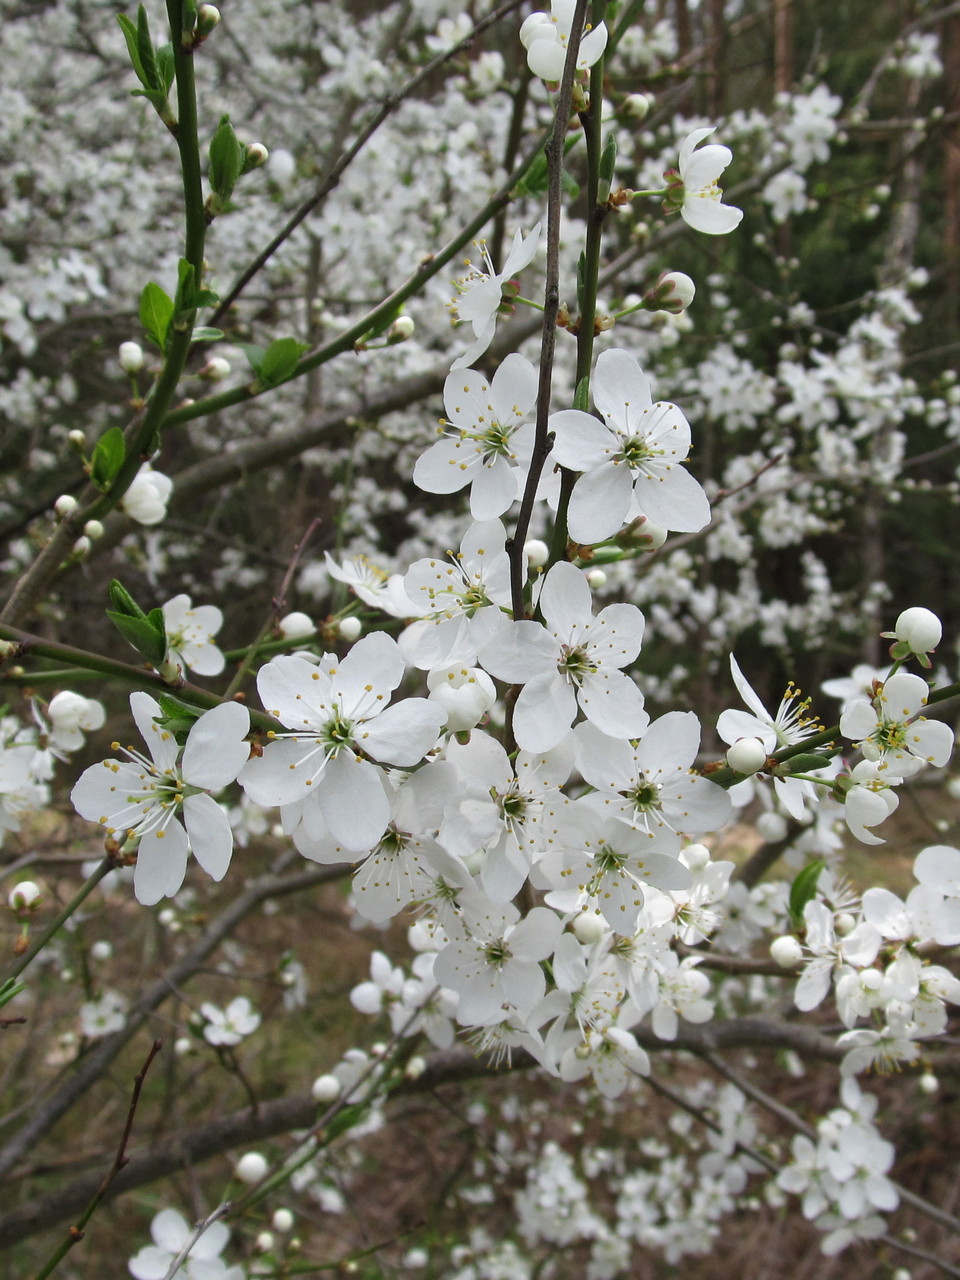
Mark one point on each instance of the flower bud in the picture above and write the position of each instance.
(296, 626)
(747, 755)
(101, 950)
(65, 505)
(928, 1083)
(77, 438)
(24, 897)
(589, 927)
(537, 553)
(93, 529)
(208, 17)
(597, 579)
(638, 105)
(257, 155)
(81, 547)
(264, 1242)
(325, 1088)
(215, 370)
(401, 329)
(673, 292)
(786, 951)
(844, 923)
(349, 628)
(251, 1167)
(415, 1067)
(282, 1221)
(695, 856)
(131, 357)
(919, 629)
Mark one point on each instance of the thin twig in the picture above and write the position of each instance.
(220, 1212)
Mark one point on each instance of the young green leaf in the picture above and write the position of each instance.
(804, 890)
(142, 634)
(156, 312)
(108, 455)
(205, 334)
(122, 601)
(279, 360)
(255, 356)
(226, 160)
(130, 36)
(148, 59)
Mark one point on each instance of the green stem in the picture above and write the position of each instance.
(138, 677)
(144, 429)
(106, 866)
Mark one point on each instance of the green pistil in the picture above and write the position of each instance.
(645, 797)
(636, 452)
(575, 664)
(336, 733)
(497, 953)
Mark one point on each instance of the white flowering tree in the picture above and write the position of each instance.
(494, 840)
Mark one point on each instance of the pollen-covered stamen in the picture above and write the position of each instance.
(575, 664)
(496, 953)
(336, 734)
(608, 861)
(792, 724)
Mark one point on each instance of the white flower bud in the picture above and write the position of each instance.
(349, 628)
(77, 438)
(182, 1046)
(24, 897)
(928, 1083)
(596, 578)
(589, 927)
(747, 755)
(82, 546)
(786, 951)
(401, 329)
(93, 530)
(920, 629)
(650, 534)
(844, 923)
(282, 1221)
(208, 17)
(65, 505)
(696, 856)
(167, 917)
(537, 553)
(296, 626)
(264, 1242)
(415, 1068)
(871, 979)
(638, 105)
(131, 357)
(215, 370)
(325, 1088)
(101, 950)
(676, 291)
(257, 155)
(251, 1167)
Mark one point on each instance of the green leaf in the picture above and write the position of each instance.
(185, 299)
(148, 59)
(279, 360)
(226, 159)
(581, 399)
(177, 717)
(344, 1120)
(142, 634)
(123, 601)
(255, 356)
(156, 97)
(130, 36)
(165, 67)
(156, 312)
(206, 298)
(206, 334)
(108, 457)
(10, 987)
(804, 890)
(803, 763)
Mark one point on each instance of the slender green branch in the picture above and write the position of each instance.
(138, 677)
(57, 923)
